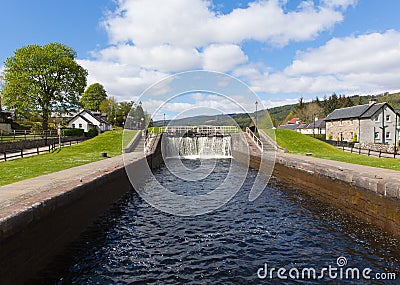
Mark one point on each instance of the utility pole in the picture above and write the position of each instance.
(255, 129)
(314, 126)
(164, 124)
(395, 132)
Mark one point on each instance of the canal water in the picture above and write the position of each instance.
(135, 243)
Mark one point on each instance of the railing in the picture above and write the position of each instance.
(257, 141)
(26, 134)
(202, 129)
(20, 153)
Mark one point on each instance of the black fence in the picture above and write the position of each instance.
(20, 153)
(27, 134)
(350, 147)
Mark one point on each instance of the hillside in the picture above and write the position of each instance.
(278, 114)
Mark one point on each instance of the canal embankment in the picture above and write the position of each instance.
(40, 216)
(371, 194)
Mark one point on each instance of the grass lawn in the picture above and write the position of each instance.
(297, 143)
(59, 159)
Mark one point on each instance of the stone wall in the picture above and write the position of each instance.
(38, 225)
(342, 130)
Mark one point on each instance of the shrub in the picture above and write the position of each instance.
(92, 133)
(354, 140)
(69, 132)
(330, 137)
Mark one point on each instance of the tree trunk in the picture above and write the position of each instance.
(45, 120)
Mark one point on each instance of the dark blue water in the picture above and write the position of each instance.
(137, 244)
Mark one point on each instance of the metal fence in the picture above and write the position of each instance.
(20, 153)
(27, 134)
(350, 147)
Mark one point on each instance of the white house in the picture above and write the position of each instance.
(317, 127)
(87, 120)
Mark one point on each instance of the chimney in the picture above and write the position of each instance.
(373, 101)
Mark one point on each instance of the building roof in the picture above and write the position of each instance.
(319, 124)
(289, 126)
(349, 112)
(293, 121)
(302, 126)
(371, 111)
(361, 111)
(97, 116)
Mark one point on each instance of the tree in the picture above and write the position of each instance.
(109, 106)
(43, 79)
(93, 96)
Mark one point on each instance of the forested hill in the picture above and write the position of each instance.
(279, 114)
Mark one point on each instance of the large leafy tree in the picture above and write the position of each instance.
(93, 96)
(43, 79)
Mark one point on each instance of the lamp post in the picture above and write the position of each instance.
(396, 110)
(164, 124)
(255, 129)
(313, 131)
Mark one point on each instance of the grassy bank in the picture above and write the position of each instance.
(297, 143)
(59, 159)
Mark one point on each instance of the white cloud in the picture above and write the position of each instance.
(123, 81)
(339, 3)
(223, 58)
(165, 58)
(357, 64)
(150, 39)
(366, 53)
(192, 23)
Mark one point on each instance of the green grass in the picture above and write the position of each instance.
(297, 143)
(67, 157)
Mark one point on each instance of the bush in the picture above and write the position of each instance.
(92, 133)
(69, 132)
(354, 140)
(330, 137)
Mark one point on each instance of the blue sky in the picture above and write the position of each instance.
(282, 49)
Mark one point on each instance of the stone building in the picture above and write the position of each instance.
(369, 123)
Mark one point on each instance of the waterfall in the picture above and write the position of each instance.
(197, 147)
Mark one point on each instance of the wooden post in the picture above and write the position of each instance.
(22, 152)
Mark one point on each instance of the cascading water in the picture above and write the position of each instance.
(198, 147)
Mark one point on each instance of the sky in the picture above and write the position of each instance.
(281, 49)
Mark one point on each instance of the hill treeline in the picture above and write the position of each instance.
(322, 107)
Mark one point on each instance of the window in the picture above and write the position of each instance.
(376, 119)
(351, 135)
(387, 118)
(80, 126)
(341, 122)
(387, 135)
(376, 135)
(351, 122)
(73, 126)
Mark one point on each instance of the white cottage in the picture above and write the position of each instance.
(87, 120)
